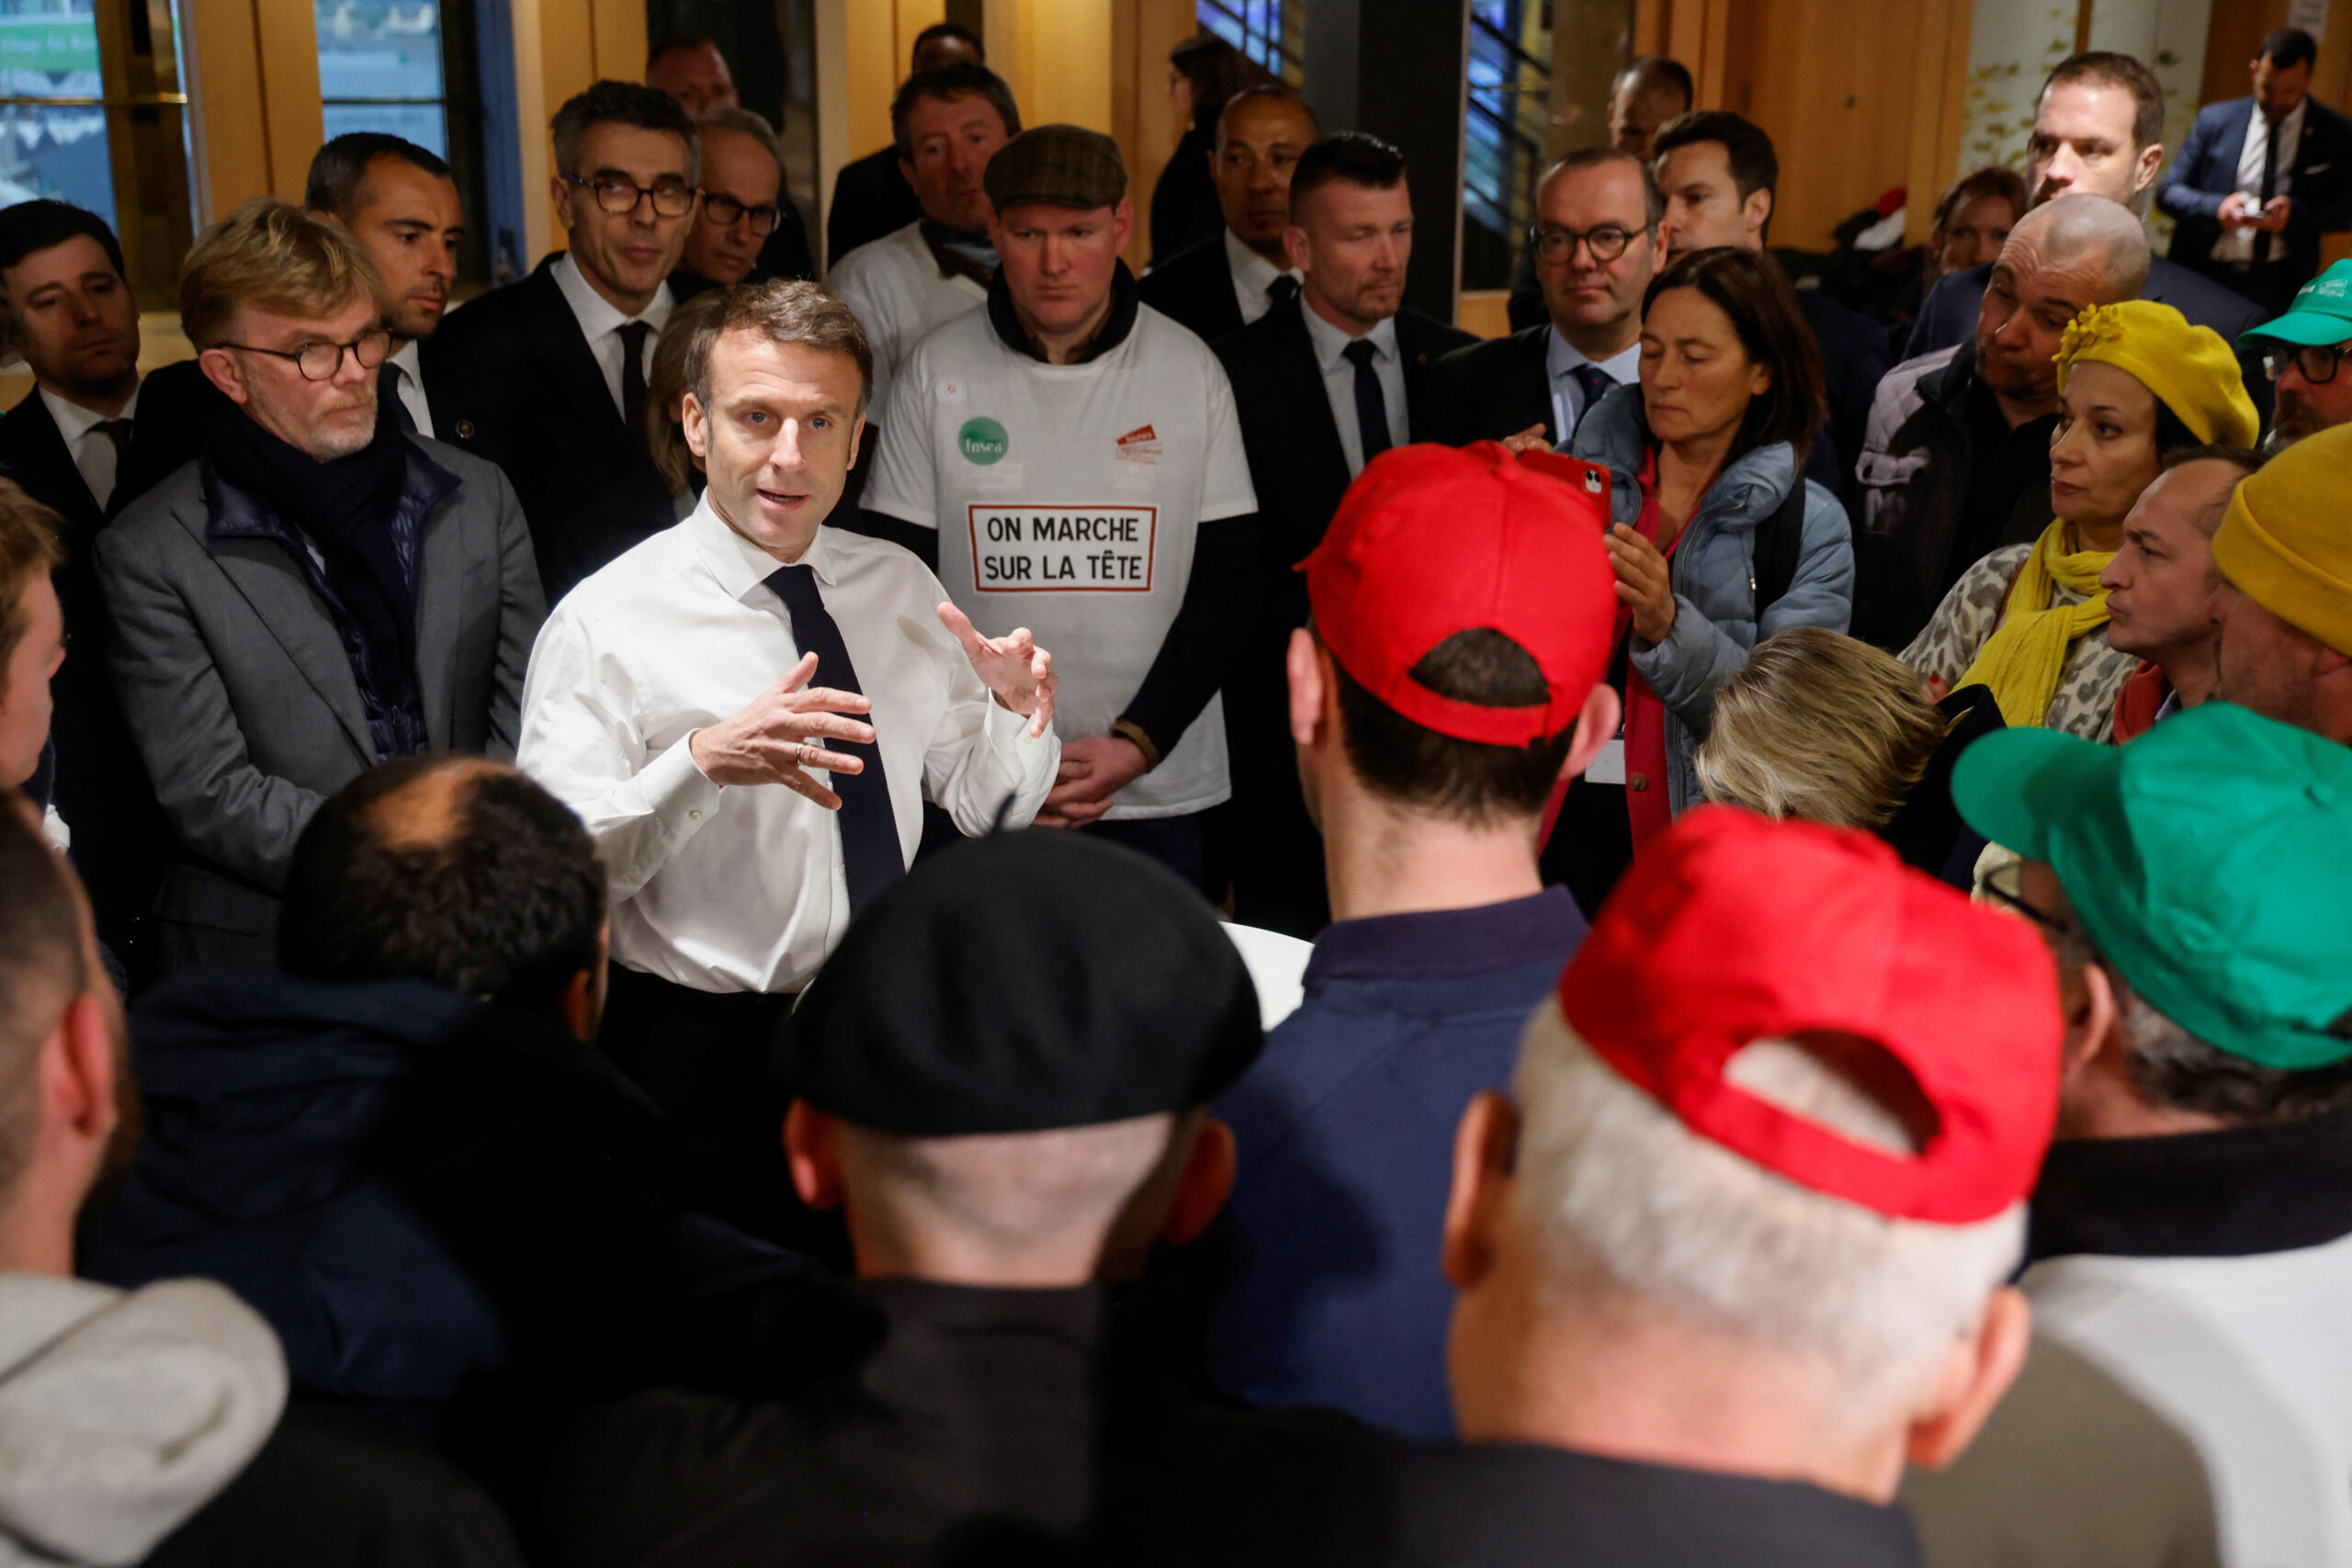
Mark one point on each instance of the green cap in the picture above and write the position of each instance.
(2211, 861)
(2321, 312)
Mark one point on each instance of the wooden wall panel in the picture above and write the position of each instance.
(255, 92)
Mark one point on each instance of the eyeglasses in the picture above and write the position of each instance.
(620, 198)
(2005, 887)
(724, 211)
(2317, 361)
(320, 361)
(1555, 244)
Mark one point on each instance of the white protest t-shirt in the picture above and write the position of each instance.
(894, 287)
(1066, 499)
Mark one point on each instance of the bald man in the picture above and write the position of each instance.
(1222, 285)
(1956, 458)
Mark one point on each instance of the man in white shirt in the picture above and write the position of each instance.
(1596, 247)
(546, 377)
(1222, 285)
(949, 122)
(399, 200)
(1071, 459)
(712, 702)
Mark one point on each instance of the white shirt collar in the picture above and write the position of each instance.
(1331, 343)
(411, 364)
(74, 421)
(1561, 356)
(1250, 270)
(598, 315)
(738, 564)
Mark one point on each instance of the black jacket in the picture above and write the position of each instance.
(1853, 357)
(1195, 289)
(2206, 170)
(1185, 208)
(1494, 388)
(121, 841)
(511, 379)
(871, 198)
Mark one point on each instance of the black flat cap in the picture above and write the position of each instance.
(1021, 983)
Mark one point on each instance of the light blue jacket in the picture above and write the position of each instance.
(1715, 573)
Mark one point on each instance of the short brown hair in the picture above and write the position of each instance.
(783, 311)
(621, 103)
(1750, 287)
(1819, 727)
(666, 382)
(1992, 181)
(965, 78)
(2106, 68)
(29, 549)
(1468, 781)
(272, 254)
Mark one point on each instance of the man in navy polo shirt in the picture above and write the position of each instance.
(1438, 691)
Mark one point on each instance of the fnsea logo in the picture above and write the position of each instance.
(983, 441)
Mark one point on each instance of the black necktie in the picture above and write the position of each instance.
(1282, 289)
(1595, 384)
(1372, 409)
(871, 856)
(2269, 183)
(117, 432)
(633, 336)
(387, 393)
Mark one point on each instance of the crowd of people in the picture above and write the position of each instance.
(996, 911)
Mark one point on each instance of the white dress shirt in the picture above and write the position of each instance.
(601, 323)
(410, 380)
(1340, 380)
(2239, 244)
(743, 888)
(1252, 276)
(1560, 359)
(92, 450)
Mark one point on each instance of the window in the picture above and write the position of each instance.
(1270, 32)
(379, 69)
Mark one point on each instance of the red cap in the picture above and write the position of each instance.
(1731, 929)
(1435, 540)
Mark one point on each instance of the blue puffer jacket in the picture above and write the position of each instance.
(1714, 568)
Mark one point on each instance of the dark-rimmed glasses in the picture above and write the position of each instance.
(724, 211)
(2316, 361)
(2005, 887)
(1555, 244)
(620, 198)
(320, 361)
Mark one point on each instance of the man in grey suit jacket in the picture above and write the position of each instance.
(316, 592)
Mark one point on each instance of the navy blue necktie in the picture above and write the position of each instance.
(1372, 408)
(871, 856)
(388, 394)
(1595, 384)
(1282, 289)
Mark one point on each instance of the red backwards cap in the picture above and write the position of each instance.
(1730, 928)
(1433, 540)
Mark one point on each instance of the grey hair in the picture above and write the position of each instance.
(620, 103)
(745, 122)
(2079, 222)
(1625, 1199)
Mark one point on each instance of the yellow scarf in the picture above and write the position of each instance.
(2025, 657)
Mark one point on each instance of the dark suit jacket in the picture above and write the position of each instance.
(120, 840)
(1854, 359)
(1491, 390)
(1195, 289)
(1948, 315)
(871, 198)
(2206, 170)
(512, 380)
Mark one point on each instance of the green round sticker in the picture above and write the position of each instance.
(983, 440)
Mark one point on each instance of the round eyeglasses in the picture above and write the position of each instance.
(1555, 244)
(724, 211)
(320, 361)
(620, 196)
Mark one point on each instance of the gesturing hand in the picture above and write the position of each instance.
(1014, 668)
(1092, 771)
(779, 735)
(1644, 583)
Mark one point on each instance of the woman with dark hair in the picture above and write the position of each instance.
(2135, 380)
(1202, 72)
(1716, 533)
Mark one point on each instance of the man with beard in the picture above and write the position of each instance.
(316, 592)
(400, 202)
(2301, 352)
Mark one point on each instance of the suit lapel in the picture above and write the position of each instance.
(1307, 394)
(35, 451)
(281, 600)
(568, 366)
(442, 585)
(2231, 147)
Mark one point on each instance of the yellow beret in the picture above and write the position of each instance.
(2191, 370)
(2286, 540)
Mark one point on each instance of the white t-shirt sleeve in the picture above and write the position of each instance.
(1225, 490)
(905, 482)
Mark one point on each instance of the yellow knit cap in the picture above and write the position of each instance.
(2286, 540)
(2191, 370)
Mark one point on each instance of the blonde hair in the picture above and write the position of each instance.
(1820, 727)
(28, 550)
(273, 256)
(665, 438)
